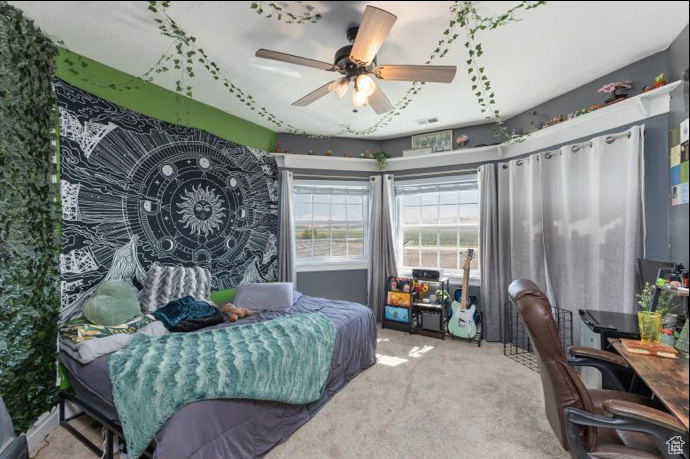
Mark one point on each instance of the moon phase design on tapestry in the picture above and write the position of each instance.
(139, 192)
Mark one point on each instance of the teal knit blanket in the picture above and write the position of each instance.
(285, 360)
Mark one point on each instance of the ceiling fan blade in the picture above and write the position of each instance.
(290, 59)
(373, 30)
(314, 95)
(430, 73)
(379, 102)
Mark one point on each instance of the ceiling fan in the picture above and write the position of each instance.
(358, 60)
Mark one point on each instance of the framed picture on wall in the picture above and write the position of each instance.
(436, 141)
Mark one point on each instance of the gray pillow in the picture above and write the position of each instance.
(264, 297)
(166, 283)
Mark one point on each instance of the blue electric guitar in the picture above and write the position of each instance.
(464, 318)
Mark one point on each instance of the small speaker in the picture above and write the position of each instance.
(431, 320)
(427, 274)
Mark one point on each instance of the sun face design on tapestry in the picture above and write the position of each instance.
(138, 192)
(201, 210)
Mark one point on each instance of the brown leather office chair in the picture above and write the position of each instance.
(588, 422)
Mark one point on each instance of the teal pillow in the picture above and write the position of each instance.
(113, 304)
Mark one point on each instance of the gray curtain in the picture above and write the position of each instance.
(488, 251)
(572, 221)
(382, 263)
(286, 245)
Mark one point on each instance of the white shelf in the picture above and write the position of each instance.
(333, 163)
(632, 110)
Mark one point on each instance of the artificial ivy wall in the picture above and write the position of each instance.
(29, 246)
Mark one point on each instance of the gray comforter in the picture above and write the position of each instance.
(246, 428)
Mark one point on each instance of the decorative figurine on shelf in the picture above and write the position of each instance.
(614, 89)
(311, 153)
(329, 152)
(461, 140)
(277, 147)
(368, 154)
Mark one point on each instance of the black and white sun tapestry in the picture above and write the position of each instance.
(138, 192)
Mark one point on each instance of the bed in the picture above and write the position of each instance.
(241, 428)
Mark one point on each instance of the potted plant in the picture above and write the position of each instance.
(614, 88)
(659, 81)
(650, 322)
(381, 157)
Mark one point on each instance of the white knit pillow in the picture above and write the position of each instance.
(167, 283)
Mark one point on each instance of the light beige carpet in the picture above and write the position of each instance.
(424, 398)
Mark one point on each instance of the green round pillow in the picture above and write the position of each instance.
(117, 289)
(113, 304)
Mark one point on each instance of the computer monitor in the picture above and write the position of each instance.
(647, 271)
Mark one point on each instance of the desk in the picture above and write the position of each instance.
(609, 325)
(667, 378)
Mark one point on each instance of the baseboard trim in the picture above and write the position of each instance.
(45, 424)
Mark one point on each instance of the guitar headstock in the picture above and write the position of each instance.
(468, 258)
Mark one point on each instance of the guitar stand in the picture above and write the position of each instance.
(477, 338)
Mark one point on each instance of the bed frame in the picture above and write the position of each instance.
(113, 429)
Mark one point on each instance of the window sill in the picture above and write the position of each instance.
(331, 266)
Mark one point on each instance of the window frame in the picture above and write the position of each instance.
(333, 262)
(400, 225)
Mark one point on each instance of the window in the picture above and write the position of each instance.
(437, 222)
(331, 222)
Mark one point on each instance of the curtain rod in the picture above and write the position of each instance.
(431, 174)
(574, 147)
(350, 177)
(334, 177)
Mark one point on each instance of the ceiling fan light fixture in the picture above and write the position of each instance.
(339, 87)
(359, 98)
(366, 84)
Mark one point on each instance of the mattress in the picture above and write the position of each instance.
(241, 428)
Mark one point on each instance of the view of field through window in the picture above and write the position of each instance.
(438, 223)
(331, 222)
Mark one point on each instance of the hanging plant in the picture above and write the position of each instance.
(272, 10)
(381, 157)
(184, 53)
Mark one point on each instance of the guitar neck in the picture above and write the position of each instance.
(465, 285)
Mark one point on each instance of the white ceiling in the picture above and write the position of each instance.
(553, 49)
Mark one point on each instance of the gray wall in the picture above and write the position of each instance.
(340, 146)
(678, 215)
(348, 285)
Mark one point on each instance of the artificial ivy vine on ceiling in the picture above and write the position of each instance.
(271, 10)
(185, 52)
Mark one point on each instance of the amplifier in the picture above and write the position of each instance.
(431, 320)
(429, 274)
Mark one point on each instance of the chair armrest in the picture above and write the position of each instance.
(630, 410)
(645, 420)
(597, 354)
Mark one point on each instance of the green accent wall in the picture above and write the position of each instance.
(157, 102)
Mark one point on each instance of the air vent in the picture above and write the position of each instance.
(423, 121)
